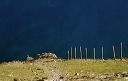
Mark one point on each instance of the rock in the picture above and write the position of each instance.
(61, 77)
(118, 75)
(46, 55)
(29, 58)
(61, 80)
(44, 78)
(125, 77)
(87, 72)
(15, 79)
(25, 80)
(103, 76)
(124, 74)
(80, 79)
(10, 75)
(66, 74)
(77, 74)
(82, 71)
(39, 69)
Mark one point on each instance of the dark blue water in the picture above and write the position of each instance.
(29, 27)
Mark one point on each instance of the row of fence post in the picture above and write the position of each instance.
(70, 53)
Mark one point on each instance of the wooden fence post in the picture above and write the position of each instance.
(114, 54)
(94, 51)
(75, 53)
(121, 51)
(68, 55)
(102, 53)
(80, 52)
(71, 53)
(86, 57)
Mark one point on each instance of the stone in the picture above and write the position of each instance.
(125, 77)
(46, 55)
(61, 77)
(87, 72)
(15, 79)
(103, 76)
(44, 78)
(29, 58)
(67, 74)
(82, 71)
(118, 75)
(39, 69)
(10, 75)
(77, 74)
(124, 72)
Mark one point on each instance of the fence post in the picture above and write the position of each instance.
(113, 50)
(71, 53)
(121, 51)
(94, 51)
(102, 53)
(86, 53)
(68, 55)
(75, 53)
(80, 52)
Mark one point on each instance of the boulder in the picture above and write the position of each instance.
(46, 55)
(29, 59)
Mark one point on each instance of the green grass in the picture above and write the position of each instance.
(67, 68)
(93, 66)
(18, 70)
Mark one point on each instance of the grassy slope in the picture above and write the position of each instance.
(18, 70)
(93, 66)
(40, 68)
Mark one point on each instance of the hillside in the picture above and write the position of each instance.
(62, 70)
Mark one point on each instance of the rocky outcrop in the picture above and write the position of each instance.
(46, 55)
(29, 59)
(41, 56)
